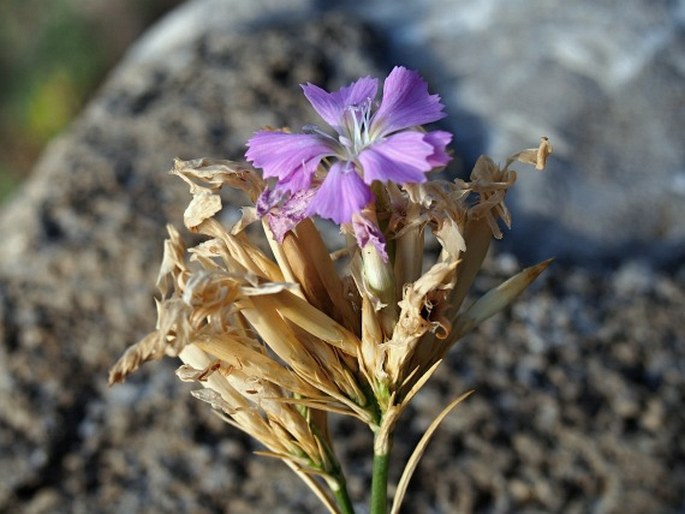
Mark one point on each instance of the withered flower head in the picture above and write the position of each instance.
(283, 330)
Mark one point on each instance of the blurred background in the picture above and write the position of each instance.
(53, 56)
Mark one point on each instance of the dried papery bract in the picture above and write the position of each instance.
(270, 361)
(464, 217)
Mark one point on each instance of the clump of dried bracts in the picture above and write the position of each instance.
(278, 341)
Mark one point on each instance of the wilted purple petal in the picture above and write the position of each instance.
(342, 193)
(366, 232)
(279, 154)
(439, 139)
(331, 106)
(286, 217)
(406, 103)
(269, 198)
(400, 158)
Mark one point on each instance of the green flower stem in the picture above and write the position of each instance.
(379, 484)
(342, 497)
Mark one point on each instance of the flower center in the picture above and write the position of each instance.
(354, 134)
(356, 123)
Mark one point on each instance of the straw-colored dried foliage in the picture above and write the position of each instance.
(277, 340)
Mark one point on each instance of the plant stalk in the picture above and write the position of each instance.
(379, 483)
(342, 497)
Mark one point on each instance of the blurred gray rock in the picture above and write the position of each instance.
(604, 80)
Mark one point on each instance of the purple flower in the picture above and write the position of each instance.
(383, 144)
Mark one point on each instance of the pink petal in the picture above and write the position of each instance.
(300, 178)
(401, 158)
(342, 194)
(286, 217)
(406, 103)
(280, 154)
(366, 232)
(439, 139)
(331, 106)
(269, 199)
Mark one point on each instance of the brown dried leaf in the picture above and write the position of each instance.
(446, 210)
(172, 261)
(449, 234)
(416, 318)
(316, 322)
(244, 255)
(214, 173)
(268, 288)
(235, 354)
(497, 299)
(536, 156)
(151, 347)
(186, 373)
(204, 205)
(419, 299)
(215, 399)
(248, 216)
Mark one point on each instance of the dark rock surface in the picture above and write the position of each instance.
(580, 386)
